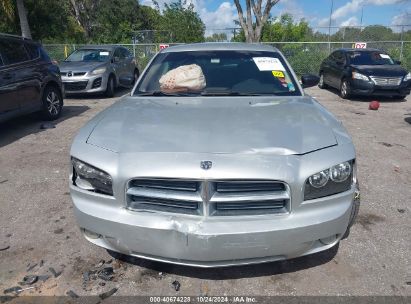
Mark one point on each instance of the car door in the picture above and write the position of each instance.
(129, 63)
(326, 70)
(337, 68)
(16, 84)
(118, 62)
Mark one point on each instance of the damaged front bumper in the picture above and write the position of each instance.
(199, 241)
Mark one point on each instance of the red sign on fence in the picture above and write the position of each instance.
(360, 45)
(163, 46)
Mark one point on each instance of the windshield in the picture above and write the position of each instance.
(217, 73)
(89, 55)
(369, 58)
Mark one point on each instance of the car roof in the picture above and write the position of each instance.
(98, 47)
(220, 46)
(360, 50)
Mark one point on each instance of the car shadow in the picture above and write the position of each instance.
(22, 126)
(118, 93)
(234, 272)
(360, 98)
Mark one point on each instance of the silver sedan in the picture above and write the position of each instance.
(217, 158)
(98, 69)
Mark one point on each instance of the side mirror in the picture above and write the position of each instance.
(309, 80)
(397, 62)
(116, 59)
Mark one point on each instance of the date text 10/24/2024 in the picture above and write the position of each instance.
(203, 299)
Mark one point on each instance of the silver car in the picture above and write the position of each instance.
(98, 69)
(247, 169)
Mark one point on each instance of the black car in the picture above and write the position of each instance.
(364, 72)
(29, 80)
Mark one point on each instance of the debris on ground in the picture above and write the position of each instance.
(106, 273)
(359, 113)
(15, 289)
(72, 294)
(31, 267)
(107, 294)
(54, 272)
(59, 231)
(176, 284)
(47, 125)
(374, 105)
(401, 210)
(29, 280)
(100, 264)
(4, 247)
(396, 169)
(4, 181)
(41, 263)
(43, 278)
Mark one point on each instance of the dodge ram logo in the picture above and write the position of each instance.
(206, 164)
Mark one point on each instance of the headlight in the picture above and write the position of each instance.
(340, 172)
(98, 71)
(407, 77)
(356, 75)
(90, 178)
(336, 179)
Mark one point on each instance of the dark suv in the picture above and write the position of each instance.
(29, 81)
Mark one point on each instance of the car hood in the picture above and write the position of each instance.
(279, 125)
(381, 70)
(82, 66)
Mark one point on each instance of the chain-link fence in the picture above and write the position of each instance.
(305, 57)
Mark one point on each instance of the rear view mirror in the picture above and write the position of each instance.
(309, 80)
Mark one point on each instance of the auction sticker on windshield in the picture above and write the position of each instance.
(268, 64)
(385, 56)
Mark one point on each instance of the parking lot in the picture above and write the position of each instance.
(38, 233)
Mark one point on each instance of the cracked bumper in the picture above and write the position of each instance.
(218, 241)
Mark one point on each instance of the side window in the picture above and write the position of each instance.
(13, 51)
(33, 51)
(339, 57)
(127, 53)
(117, 53)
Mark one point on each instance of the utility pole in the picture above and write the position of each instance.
(329, 26)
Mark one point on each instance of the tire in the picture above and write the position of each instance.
(345, 90)
(110, 86)
(136, 75)
(52, 103)
(321, 83)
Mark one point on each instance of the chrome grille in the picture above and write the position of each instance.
(209, 198)
(386, 81)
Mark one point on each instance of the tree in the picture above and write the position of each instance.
(8, 7)
(185, 24)
(217, 37)
(256, 17)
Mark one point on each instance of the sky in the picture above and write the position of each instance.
(220, 14)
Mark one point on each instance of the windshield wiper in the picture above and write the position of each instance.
(160, 93)
(227, 93)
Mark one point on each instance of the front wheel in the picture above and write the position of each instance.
(345, 90)
(321, 83)
(110, 87)
(136, 75)
(52, 103)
